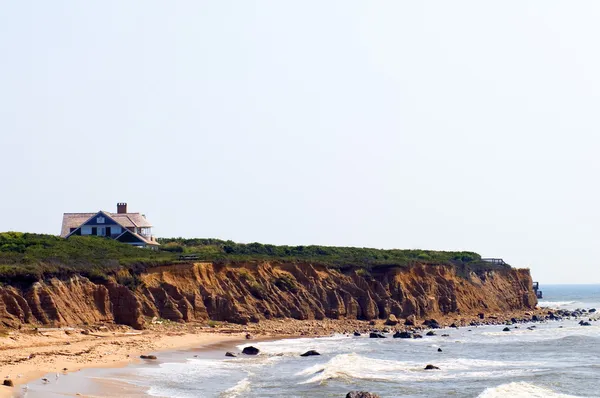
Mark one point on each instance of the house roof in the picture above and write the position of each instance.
(126, 220)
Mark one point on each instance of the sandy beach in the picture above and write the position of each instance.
(30, 354)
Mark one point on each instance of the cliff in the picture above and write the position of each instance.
(242, 292)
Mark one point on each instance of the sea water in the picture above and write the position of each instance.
(555, 359)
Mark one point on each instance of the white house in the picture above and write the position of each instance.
(130, 228)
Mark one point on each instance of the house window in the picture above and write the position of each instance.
(100, 220)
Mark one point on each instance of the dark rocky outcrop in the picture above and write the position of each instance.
(148, 356)
(402, 335)
(230, 354)
(431, 367)
(361, 394)
(250, 350)
(310, 353)
(375, 335)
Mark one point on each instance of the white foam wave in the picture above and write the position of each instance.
(521, 389)
(354, 366)
(241, 387)
(558, 304)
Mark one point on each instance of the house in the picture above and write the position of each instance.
(130, 228)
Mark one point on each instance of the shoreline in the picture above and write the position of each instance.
(29, 355)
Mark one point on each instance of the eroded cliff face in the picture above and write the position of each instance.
(249, 292)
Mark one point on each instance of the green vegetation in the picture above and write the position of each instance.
(337, 257)
(28, 257)
(25, 258)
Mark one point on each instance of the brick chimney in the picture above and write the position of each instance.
(121, 208)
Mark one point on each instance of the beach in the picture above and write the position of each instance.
(29, 354)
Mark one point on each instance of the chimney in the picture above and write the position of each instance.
(121, 208)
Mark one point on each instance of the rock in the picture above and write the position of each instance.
(585, 323)
(431, 367)
(445, 335)
(361, 394)
(249, 336)
(250, 350)
(535, 318)
(148, 356)
(439, 350)
(506, 330)
(392, 320)
(410, 320)
(8, 383)
(357, 334)
(417, 336)
(402, 335)
(430, 333)
(454, 325)
(375, 335)
(432, 324)
(481, 315)
(230, 354)
(372, 323)
(310, 353)
(592, 310)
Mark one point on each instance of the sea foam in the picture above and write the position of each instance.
(521, 389)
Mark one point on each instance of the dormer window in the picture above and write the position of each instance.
(100, 220)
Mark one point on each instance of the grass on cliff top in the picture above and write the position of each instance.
(337, 257)
(28, 257)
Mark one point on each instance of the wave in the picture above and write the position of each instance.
(354, 366)
(521, 389)
(241, 387)
(558, 304)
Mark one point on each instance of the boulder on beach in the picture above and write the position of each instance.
(431, 367)
(582, 323)
(417, 336)
(592, 310)
(361, 394)
(310, 353)
(430, 333)
(230, 354)
(392, 320)
(249, 336)
(506, 330)
(250, 350)
(357, 334)
(375, 335)
(402, 335)
(432, 324)
(148, 356)
(8, 383)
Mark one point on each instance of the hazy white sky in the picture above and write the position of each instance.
(462, 125)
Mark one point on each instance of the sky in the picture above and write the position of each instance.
(462, 125)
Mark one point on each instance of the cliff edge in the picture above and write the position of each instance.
(250, 291)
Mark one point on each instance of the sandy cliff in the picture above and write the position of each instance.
(250, 292)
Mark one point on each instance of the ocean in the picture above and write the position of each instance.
(556, 359)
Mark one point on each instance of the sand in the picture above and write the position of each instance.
(29, 354)
(25, 356)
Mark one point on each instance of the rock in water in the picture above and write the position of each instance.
(309, 353)
(250, 350)
(430, 333)
(230, 354)
(392, 320)
(402, 335)
(357, 334)
(374, 335)
(439, 350)
(148, 356)
(361, 394)
(431, 367)
(506, 330)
